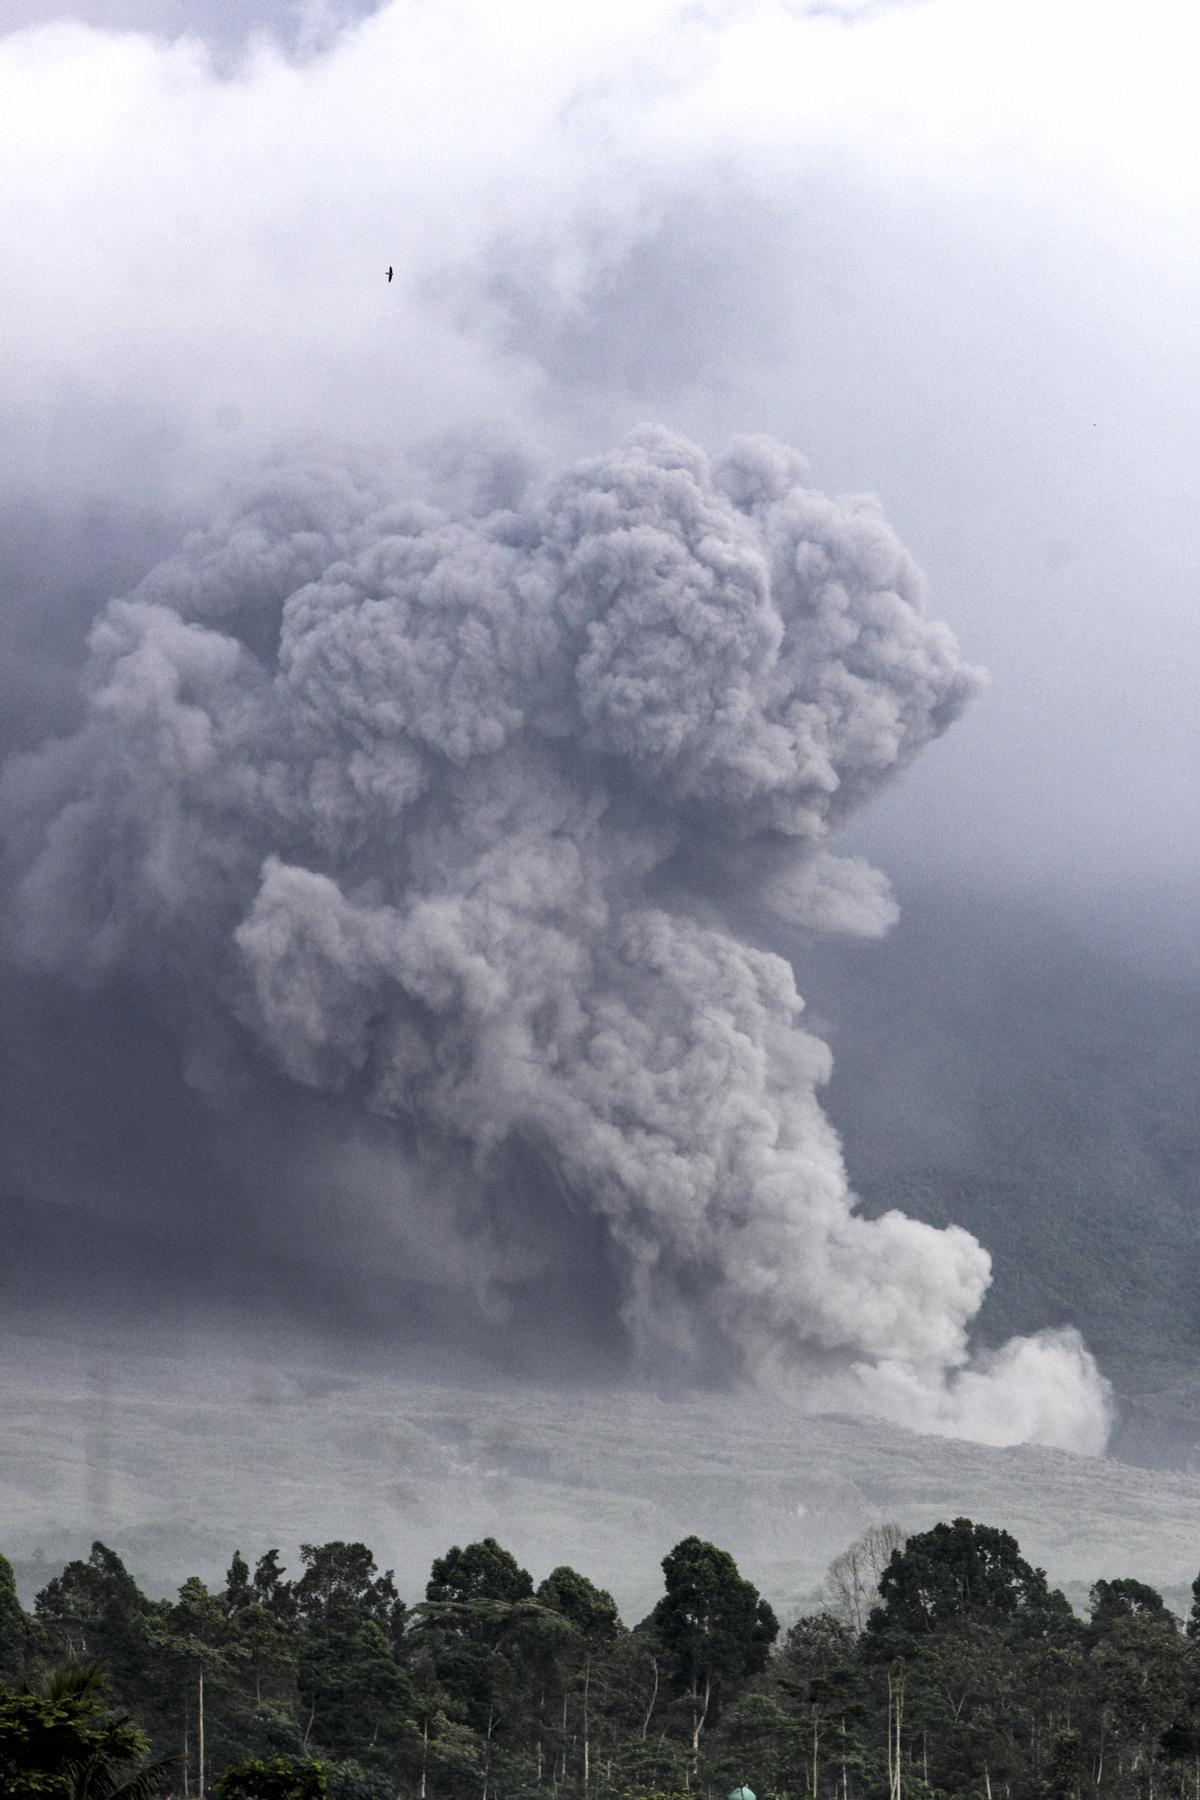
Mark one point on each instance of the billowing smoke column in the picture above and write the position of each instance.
(468, 814)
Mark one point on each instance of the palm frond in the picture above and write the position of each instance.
(107, 1783)
(74, 1681)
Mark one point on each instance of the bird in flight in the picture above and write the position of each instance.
(389, 271)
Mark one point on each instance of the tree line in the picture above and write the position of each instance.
(941, 1664)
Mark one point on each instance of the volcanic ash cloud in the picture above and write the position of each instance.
(455, 813)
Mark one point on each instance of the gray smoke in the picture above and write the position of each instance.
(473, 813)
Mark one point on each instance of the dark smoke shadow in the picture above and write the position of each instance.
(127, 1196)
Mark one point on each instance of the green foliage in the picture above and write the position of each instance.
(95, 1611)
(961, 1571)
(280, 1778)
(1193, 1622)
(973, 1681)
(58, 1744)
(351, 1781)
(482, 1571)
(352, 1689)
(239, 1593)
(18, 1641)
(340, 1589)
(591, 1610)
(711, 1622)
(1113, 1601)
(272, 1590)
(452, 1756)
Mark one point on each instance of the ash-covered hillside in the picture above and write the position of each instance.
(173, 1447)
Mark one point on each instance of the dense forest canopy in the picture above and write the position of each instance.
(941, 1664)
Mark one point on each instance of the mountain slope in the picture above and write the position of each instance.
(177, 1451)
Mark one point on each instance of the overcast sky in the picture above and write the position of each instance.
(946, 248)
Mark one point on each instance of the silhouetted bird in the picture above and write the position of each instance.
(389, 271)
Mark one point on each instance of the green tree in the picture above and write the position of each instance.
(351, 1781)
(17, 1632)
(266, 1650)
(59, 1744)
(961, 1571)
(566, 1658)
(1049, 1696)
(271, 1587)
(261, 1646)
(197, 1667)
(490, 1641)
(961, 1706)
(239, 1590)
(1193, 1621)
(429, 1700)
(1066, 1766)
(816, 1668)
(341, 1585)
(713, 1626)
(1112, 1601)
(276, 1778)
(354, 1695)
(757, 1733)
(95, 1612)
(1140, 1684)
(591, 1610)
(481, 1575)
(452, 1760)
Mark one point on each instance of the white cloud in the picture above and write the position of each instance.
(195, 258)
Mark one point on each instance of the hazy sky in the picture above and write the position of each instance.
(948, 249)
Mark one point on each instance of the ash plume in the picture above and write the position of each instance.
(470, 813)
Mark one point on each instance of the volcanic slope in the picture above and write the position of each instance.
(176, 1453)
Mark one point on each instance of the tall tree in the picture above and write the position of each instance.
(1193, 1619)
(481, 1572)
(589, 1624)
(815, 1669)
(196, 1666)
(478, 1601)
(591, 1610)
(1112, 1601)
(713, 1626)
(962, 1571)
(17, 1633)
(1140, 1684)
(272, 1589)
(355, 1696)
(341, 1584)
(239, 1590)
(851, 1585)
(95, 1612)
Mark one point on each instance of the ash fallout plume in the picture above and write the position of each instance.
(469, 814)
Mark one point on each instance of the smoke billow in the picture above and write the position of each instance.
(472, 814)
